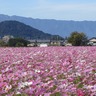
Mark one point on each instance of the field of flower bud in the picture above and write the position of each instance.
(48, 71)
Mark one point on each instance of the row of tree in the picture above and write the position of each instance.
(15, 42)
(75, 38)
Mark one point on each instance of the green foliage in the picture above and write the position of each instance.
(61, 76)
(78, 82)
(2, 43)
(77, 39)
(21, 95)
(17, 42)
(56, 94)
(80, 85)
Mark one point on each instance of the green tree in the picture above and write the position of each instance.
(17, 42)
(2, 43)
(78, 39)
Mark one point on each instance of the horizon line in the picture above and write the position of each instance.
(47, 18)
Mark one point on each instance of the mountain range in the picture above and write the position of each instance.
(18, 29)
(56, 27)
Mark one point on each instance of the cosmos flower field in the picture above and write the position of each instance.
(48, 71)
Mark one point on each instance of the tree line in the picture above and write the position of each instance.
(14, 42)
(75, 38)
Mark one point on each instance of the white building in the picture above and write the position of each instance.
(43, 45)
(92, 41)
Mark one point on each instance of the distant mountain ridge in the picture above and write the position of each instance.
(58, 27)
(18, 29)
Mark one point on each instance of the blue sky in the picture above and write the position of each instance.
(51, 9)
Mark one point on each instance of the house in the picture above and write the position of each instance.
(68, 44)
(92, 41)
(43, 43)
(40, 43)
(32, 43)
(57, 43)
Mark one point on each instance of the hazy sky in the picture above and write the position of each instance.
(51, 9)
